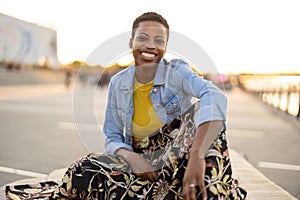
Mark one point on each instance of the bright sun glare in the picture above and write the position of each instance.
(254, 36)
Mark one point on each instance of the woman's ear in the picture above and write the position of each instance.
(130, 43)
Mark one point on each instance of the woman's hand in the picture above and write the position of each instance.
(138, 164)
(194, 177)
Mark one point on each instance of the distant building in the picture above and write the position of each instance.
(27, 44)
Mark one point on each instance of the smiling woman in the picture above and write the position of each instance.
(159, 145)
(149, 43)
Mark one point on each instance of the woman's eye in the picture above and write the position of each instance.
(160, 41)
(141, 38)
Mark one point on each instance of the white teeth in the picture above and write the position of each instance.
(149, 55)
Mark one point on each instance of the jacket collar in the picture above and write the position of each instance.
(160, 73)
(127, 79)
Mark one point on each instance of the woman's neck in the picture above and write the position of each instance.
(145, 73)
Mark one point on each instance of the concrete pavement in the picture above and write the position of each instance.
(268, 138)
(257, 185)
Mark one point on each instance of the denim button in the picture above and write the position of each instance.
(154, 90)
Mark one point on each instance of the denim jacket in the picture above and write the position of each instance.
(175, 84)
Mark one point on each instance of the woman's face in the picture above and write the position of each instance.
(149, 43)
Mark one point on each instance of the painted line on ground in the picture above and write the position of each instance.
(21, 172)
(271, 165)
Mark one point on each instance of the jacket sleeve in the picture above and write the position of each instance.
(213, 102)
(113, 126)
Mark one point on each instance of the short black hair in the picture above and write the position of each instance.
(149, 16)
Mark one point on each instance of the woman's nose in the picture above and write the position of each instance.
(150, 44)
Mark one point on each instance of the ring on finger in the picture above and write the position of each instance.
(192, 185)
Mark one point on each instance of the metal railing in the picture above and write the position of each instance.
(279, 91)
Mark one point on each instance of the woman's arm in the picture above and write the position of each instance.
(113, 125)
(209, 118)
(213, 102)
(195, 171)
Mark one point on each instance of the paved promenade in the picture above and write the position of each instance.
(257, 184)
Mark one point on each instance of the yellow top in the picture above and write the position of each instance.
(145, 120)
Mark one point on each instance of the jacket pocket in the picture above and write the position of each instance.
(171, 105)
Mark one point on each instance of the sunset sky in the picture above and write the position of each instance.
(260, 36)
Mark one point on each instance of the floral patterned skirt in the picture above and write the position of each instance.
(100, 176)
